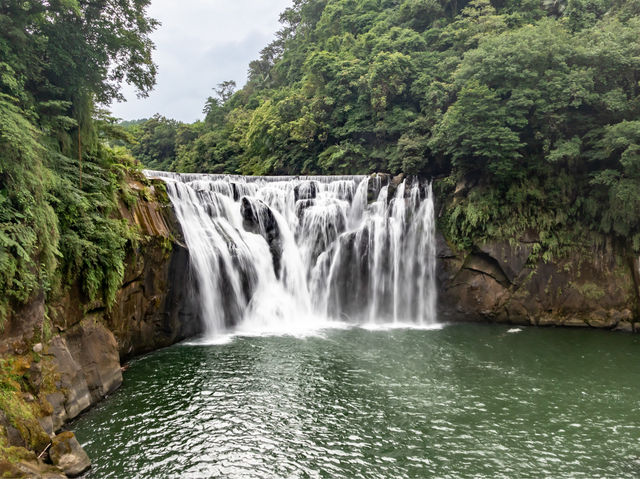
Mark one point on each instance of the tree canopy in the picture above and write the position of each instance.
(535, 102)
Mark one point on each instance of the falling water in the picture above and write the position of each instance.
(291, 251)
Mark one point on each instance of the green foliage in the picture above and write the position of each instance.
(533, 102)
(155, 142)
(93, 242)
(59, 182)
(26, 217)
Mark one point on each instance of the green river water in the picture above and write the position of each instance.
(461, 401)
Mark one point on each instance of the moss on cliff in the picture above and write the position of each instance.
(19, 403)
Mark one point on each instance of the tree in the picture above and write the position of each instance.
(225, 90)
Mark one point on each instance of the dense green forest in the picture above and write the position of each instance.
(528, 111)
(531, 107)
(61, 63)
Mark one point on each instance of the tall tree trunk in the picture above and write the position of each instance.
(80, 156)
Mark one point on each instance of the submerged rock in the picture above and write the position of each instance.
(68, 455)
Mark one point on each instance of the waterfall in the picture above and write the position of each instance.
(291, 251)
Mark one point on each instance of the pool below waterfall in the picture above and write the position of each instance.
(457, 401)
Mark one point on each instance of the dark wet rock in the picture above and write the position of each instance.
(375, 184)
(301, 206)
(235, 191)
(259, 219)
(495, 282)
(155, 307)
(307, 190)
(350, 294)
(67, 454)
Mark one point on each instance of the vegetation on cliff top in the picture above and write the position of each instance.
(533, 105)
(59, 61)
(529, 110)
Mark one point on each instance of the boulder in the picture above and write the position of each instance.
(95, 348)
(67, 454)
(72, 380)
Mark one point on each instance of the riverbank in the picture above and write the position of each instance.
(61, 358)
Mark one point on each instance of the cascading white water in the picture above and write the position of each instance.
(288, 251)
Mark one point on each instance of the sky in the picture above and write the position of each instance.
(201, 43)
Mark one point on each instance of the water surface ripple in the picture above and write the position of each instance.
(464, 401)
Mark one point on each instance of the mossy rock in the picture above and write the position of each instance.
(20, 413)
(68, 455)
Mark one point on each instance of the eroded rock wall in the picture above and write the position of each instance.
(67, 354)
(498, 281)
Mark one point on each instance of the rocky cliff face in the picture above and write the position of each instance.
(497, 282)
(61, 358)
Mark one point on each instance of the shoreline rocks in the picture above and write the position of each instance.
(67, 454)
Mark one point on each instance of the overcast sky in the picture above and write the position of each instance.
(200, 44)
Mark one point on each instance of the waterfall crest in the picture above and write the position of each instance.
(289, 251)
